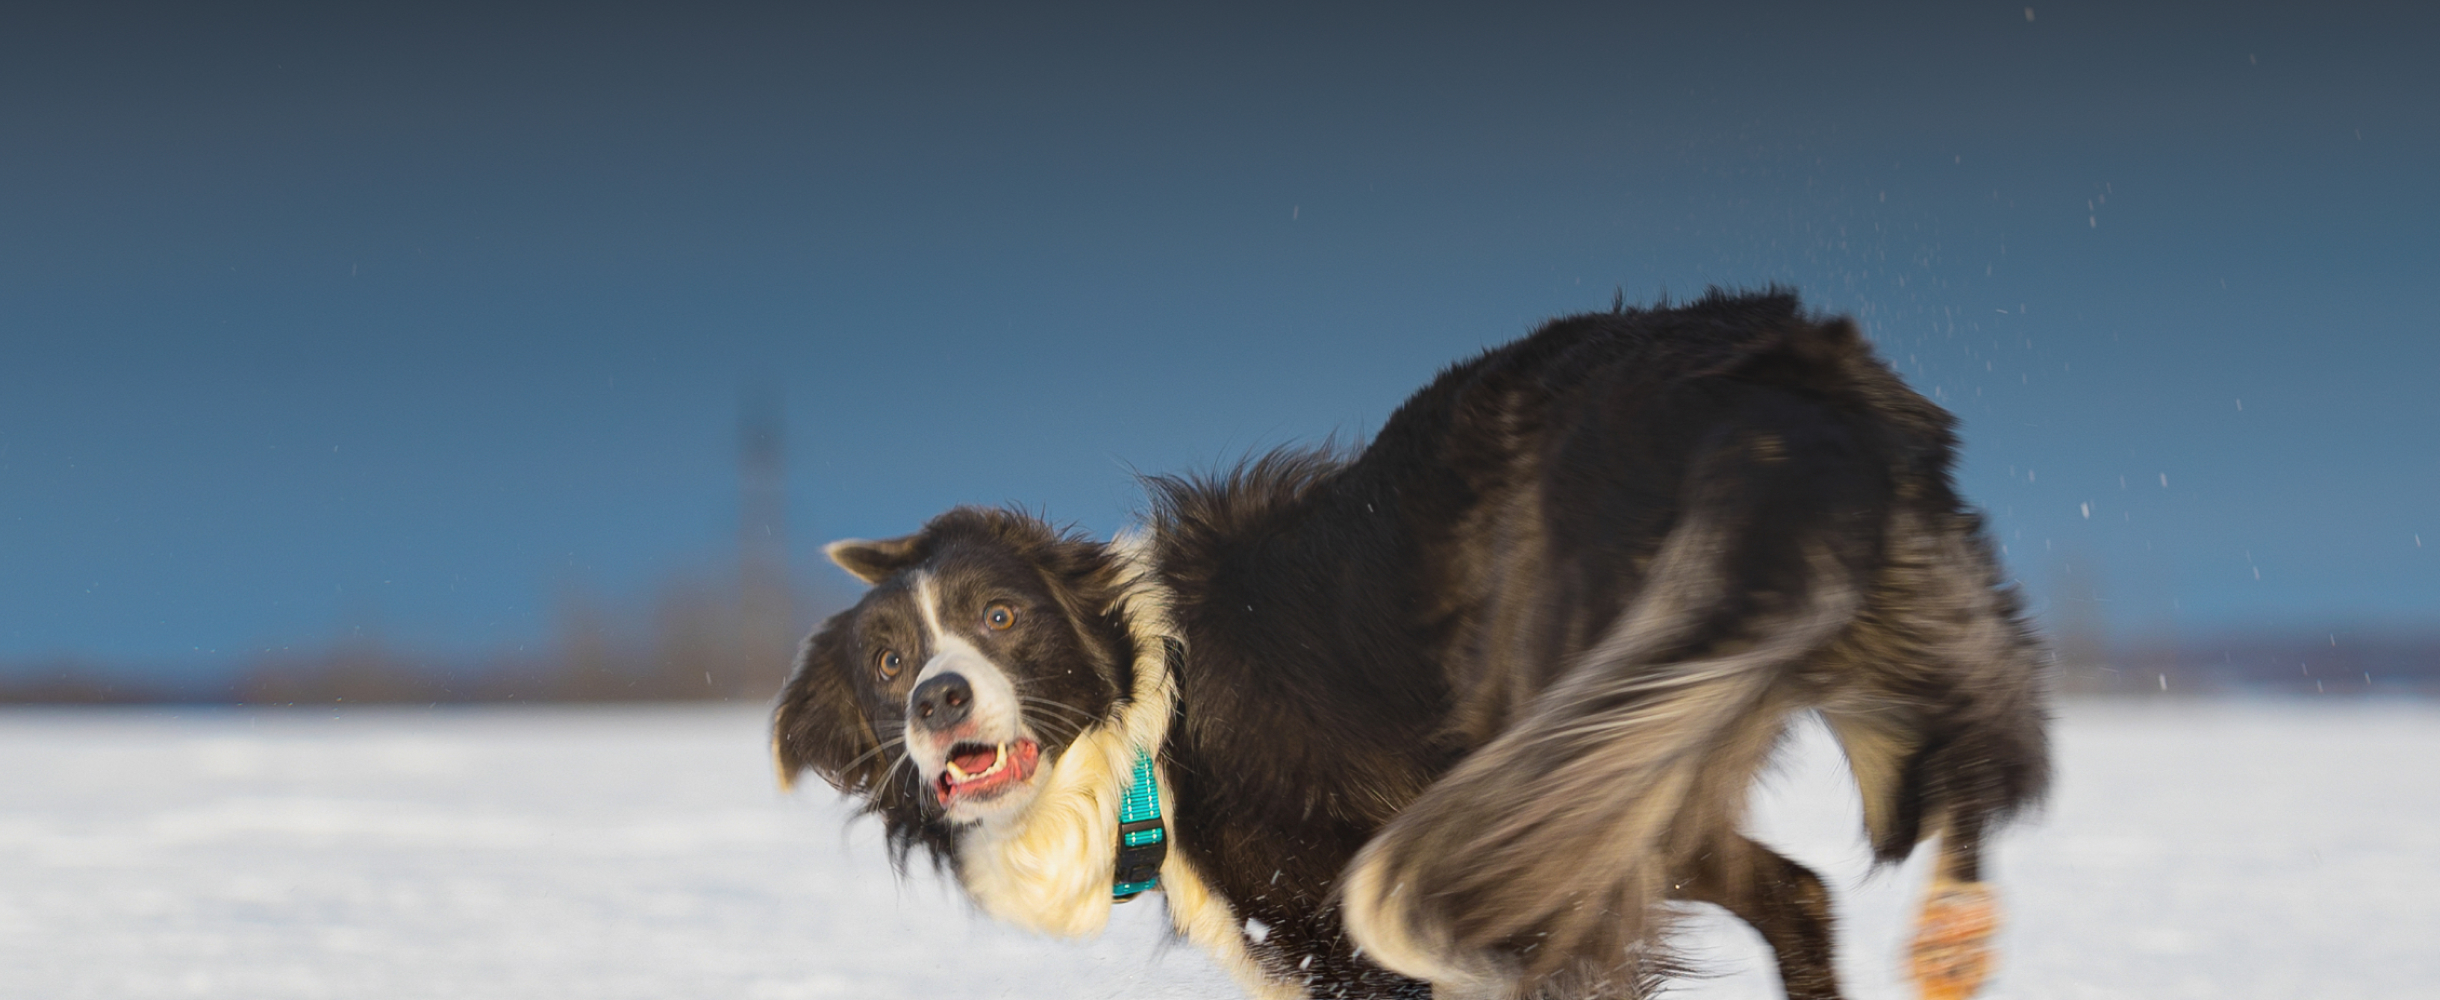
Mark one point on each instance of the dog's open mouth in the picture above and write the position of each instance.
(976, 771)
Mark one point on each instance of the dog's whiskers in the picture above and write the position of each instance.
(906, 759)
(870, 754)
(1077, 714)
(1080, 722)
(1068, 736)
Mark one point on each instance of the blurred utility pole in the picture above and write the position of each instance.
(766, 597)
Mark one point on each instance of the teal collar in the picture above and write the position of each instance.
(1143, 842)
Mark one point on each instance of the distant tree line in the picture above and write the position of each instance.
(693, 642)
(2326, 664)
(700, 643)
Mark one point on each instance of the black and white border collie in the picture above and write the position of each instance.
(1468, 712)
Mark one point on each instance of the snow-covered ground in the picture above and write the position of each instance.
(2193, 850)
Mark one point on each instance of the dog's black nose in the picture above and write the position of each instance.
(943, 701)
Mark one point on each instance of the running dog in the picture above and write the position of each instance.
(1467, 712)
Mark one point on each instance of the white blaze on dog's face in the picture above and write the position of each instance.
(965, 722)
(945, 696)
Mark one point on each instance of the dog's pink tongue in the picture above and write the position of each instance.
(976, 761)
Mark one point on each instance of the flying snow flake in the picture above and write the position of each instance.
(2087, 508)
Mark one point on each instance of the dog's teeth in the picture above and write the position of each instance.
(999, 760)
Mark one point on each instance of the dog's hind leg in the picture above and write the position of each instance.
(1782, 900)
(1532, 868)
(1937, 698)
(1952, 953)
(1902, 782)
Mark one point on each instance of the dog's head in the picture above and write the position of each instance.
(989, 643)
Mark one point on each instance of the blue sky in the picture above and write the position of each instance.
(324, 319)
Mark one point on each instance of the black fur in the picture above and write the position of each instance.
(1526, 650)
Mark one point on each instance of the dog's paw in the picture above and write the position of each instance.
(1952, 953)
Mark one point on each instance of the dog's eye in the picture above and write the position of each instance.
(888, 663)
(999, 617)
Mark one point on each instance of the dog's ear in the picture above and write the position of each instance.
(818, 726)
(873, 562)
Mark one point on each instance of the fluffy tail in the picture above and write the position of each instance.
(1536, 864)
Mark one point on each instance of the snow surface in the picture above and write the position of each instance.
(2194, 850)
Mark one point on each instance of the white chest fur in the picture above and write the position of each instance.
(1049, 869)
